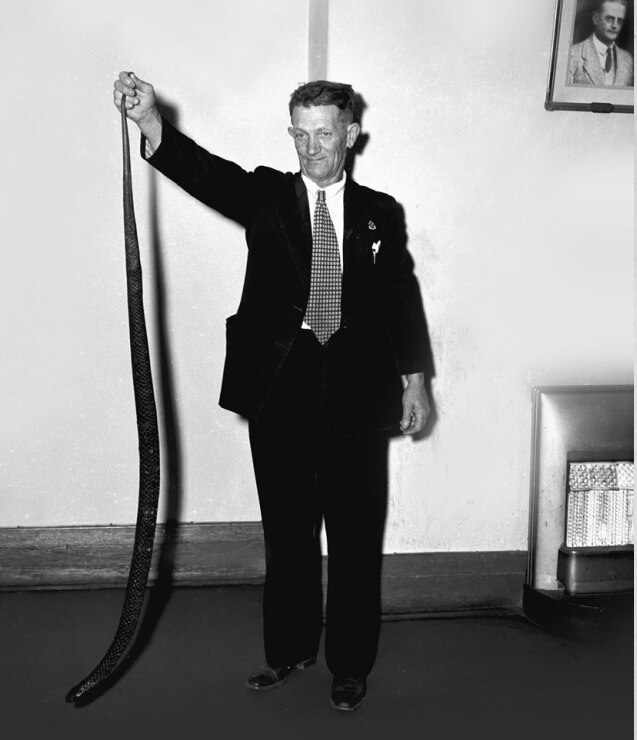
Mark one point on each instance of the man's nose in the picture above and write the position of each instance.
(313, 146)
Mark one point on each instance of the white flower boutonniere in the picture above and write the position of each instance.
(375, 249)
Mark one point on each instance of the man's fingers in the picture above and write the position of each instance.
(123, 89)
(131, 86)
(141, 84)
(408, 419)
(415, 422)
(418, 422)
(129, 81)
(131, 100)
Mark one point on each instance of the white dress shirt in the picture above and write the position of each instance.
(609, 77)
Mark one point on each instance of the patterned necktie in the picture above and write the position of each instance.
(609, 60)
(323, 313)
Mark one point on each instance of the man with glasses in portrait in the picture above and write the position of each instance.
(598, 60)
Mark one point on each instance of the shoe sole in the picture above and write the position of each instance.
(276, 685)
(341, 708)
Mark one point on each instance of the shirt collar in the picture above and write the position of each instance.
(330, 191)
(601, 46)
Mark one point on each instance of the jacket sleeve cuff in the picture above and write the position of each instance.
(145, 149)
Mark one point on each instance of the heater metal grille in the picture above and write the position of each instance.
(600, 504)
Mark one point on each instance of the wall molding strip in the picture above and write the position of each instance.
(224, 553)
(318, 19)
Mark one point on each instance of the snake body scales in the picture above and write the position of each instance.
(148, 435)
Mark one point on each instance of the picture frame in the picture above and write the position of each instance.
(576, 77)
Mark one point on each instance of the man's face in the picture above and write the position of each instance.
(609, 21)
(322, 136)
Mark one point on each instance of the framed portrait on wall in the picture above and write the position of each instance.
(592, 64)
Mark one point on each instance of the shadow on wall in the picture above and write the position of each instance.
(173, 463)
(430, 370)
(170, 414)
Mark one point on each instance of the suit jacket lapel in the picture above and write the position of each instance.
(623, 72)
(592, 65)
(349, 216)
(358, 213)
(294, 218)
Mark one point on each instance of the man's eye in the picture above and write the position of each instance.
(299, 135)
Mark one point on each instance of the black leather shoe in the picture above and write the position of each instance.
(269, 678)
(348, 692)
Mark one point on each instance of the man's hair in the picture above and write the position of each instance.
(597, 6)
(322, 92)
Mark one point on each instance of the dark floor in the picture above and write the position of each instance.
(440, 679)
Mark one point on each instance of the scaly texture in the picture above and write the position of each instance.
(148, 434)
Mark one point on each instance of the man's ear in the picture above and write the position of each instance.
(353, 130)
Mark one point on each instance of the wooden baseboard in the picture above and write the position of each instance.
(232, 552)
(99, 557)
(453, 581)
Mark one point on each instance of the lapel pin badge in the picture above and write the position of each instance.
(371, 225)
(375, 248)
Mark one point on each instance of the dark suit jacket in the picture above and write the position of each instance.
(382, 333)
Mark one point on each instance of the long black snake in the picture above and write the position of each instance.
(148, 435)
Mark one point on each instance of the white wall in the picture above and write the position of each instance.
(520, 222)
(68, 446)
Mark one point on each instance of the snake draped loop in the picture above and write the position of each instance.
(148, 435)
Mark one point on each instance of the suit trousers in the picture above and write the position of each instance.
(307, 474)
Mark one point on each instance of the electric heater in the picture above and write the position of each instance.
(581, 531)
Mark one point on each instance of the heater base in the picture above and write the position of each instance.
(585, 618)
(595, 570)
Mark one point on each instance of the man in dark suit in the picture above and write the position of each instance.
(325, 357)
